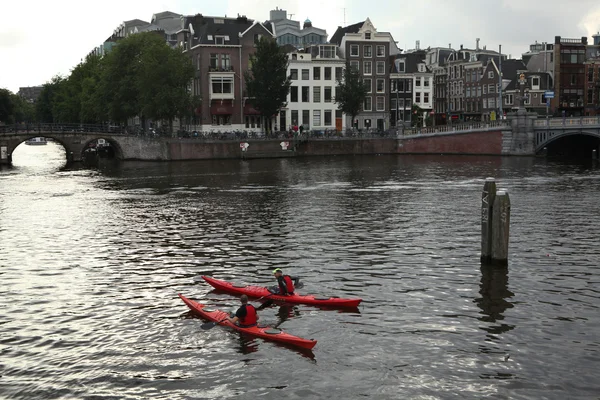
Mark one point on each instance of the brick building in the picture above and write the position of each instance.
(569, 73)
(368, 50)
(592, 78)
(220, 50)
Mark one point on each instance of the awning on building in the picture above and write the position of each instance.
(221, 108)
(250, 110)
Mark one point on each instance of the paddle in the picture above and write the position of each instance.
(212, 324)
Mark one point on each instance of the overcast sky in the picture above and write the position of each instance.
(42, 38)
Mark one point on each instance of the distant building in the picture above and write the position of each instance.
(314, 72)
(288, 31)
(220, 50)
(30, 93)
(592, 78)
(536, 84)
(369, 51)
(569, 73)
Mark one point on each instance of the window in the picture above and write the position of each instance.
(221, 119)
(223, 85)
(354, 50)
(478, 91)
(226, 62)
(491, 89)
(380, 103)
(426, 82)
(317, 94)
(380, 51)
(491, 74)
(305, 74)
(380, 85)
(508, 100)
(294, 94)
(484, 89)
(367, 36)
(535, 82)
(401, 104)
(294, 117)
(409, 86)
(418, 82)
(327, 98)
(394, 105)
(338, 73)
(328, 120)
(316, 73)
(306, 117)
(214, 60)
(327, 51)
(354, 65)
(367, 104)
(573, 79)
(316, 117)
(219, 40)
(367, 66)
(257, 37)
(305, 93)
(468, 94)
(485, 103)
(294, 74)
(380, 67)
(417, 97)
(368, 50)
(426, 97)
(327, 73)
(492, 103)
(368, 84)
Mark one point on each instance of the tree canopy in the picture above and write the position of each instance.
(352, 92)
(267, 81)
(14, 109)
(142, 76)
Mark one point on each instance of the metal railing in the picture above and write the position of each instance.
(454, 128)
(568, 121)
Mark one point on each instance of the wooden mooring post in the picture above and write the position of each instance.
(495, 224)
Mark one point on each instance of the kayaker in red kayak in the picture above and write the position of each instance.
(245, 316)
(285, 283)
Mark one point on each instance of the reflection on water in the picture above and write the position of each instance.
(91, 262)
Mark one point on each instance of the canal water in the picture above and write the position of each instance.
(91, 261)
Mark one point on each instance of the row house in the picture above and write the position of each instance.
(410, 75)
(436, 59)
(488, 94)
(592, 74)
(536, 84)
(570, 79)
(314, 73)
(220, 50)
(369, 51)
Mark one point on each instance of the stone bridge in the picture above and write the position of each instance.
(521, 133)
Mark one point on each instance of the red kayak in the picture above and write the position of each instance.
(266, 333)
(259, 291)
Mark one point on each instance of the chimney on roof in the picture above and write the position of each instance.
(449, 45)
(477, 43)
(461, 46)
(418, 45)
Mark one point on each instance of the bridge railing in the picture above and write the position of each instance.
(567, 121)
(454, 128)
(62, 128)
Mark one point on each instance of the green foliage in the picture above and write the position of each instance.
(351, 92)
(14, 109)
(267, 82)
(142, 76)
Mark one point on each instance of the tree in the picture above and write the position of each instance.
(267, 81)
(7, 107)
(352, 92)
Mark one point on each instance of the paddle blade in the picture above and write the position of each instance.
(300, 285)
(208, 325)
(264, 305)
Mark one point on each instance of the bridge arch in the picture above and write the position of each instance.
(118, 150)
(547, 138)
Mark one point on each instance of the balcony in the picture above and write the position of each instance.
(213, 69)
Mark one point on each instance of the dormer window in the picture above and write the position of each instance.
(368, 35)
(219, 39)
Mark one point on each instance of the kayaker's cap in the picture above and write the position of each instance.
(276, 270)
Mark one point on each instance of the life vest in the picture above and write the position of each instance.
(289, 284)
(250, 318)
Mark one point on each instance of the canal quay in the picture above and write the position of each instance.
(92, 260)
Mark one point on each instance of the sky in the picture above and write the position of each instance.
(40, 39)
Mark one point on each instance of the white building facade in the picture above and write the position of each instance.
(310, 103)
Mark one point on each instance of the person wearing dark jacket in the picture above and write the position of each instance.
(246, 315)
(285, 283)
